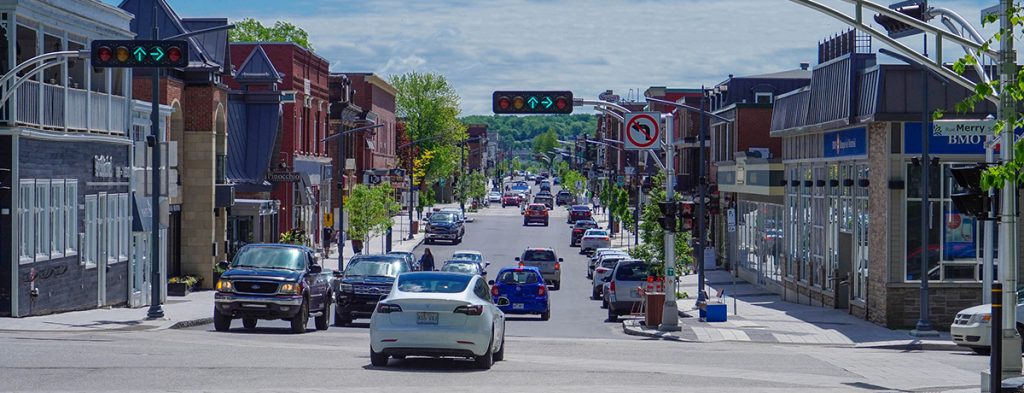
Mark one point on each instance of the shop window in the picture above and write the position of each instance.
(57, 218)
(124, 227)
(90, 248)
(111, 223)
(70, 217)
(42, 219)
(952, 242)
(26, 216)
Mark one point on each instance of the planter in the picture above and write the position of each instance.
(178, 289)
(415, 227)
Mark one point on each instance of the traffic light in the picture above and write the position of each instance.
(972, 200)
(139, 53)
(668, 216)
(532, 102)
(916, 9)
(686, 215)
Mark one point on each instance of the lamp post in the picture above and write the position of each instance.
(341, 199)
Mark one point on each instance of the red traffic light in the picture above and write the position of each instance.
(104, 53)
(686, 209)
(504, 103)
(561, 103)
(174, 54)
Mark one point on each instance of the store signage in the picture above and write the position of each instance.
(849, 142)
(283, 177)
(103, 167)
(730, 219)
(964, 127)
(943, 144)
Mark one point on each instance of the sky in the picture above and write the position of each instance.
(587, 46)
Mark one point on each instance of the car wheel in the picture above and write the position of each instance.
(612, 316)
(982, 351)
(500, 355)
(558, 285)
(221, 322)
(324, 320)
(340, 320)
(485, 361)
(249, 323)
(545, 223)
(594, 295)
(378, 359)
(544, 316)
(300, 320)
(604, 303)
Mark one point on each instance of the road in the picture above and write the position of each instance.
(577, 350)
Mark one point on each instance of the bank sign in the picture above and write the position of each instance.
(843, 143)
(942, 144)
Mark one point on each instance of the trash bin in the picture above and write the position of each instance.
(715, 312)
(655, 307)
(415, 227)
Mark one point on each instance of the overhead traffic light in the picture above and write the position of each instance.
(139, 53)
(916, 9)
(972, 200)
(532, 102)
(686, 215)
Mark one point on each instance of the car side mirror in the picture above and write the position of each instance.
(223, 265)
(502, 302)
(559, 259)
(517, 259)
(315, 269)
(338, 273)
(490, 282)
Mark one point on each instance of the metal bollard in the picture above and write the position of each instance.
(995, 360)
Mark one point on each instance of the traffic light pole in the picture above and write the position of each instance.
(155, 311)
(670, 312)
(702, 194)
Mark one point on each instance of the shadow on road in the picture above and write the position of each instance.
(422, 364)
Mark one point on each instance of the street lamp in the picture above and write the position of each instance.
(341, 200)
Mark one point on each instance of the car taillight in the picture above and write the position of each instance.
(611, 286)
(540, 290)
(385, 308)
(494, 291)
(601, 270)
(604, 238)
(558, 266)
(469, 310)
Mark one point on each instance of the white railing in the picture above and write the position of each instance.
(28, 103)
(53, 106)
(118, 117)
(100, 109)
(78, 110)
(76, 115)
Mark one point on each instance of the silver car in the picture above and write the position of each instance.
(593, 239)
(604, 268)
(596, 256)
(622, 287)
(544, 259)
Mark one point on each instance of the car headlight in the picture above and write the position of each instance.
(225, 286)
(983, 318)
(290, 289)
(344, 287)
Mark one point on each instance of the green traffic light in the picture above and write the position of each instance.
(533, 102)
(157, 53)
(139, 53)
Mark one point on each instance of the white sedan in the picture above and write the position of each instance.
(438, 314)
(593, 239)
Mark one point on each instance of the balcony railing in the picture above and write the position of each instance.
(77, 110)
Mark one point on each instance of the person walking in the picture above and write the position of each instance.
(597, 204)
(427, 261)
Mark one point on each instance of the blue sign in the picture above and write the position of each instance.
(938, 144)
(849, 142)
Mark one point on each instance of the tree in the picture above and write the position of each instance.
(574, 182)
(370, 209)
(430, 106)
(252, 30)
(652, 246)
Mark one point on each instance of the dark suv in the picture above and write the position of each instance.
(367, 279)
(563, 198)
(578, 229)
(272, 281)
(444, 226)
(579, 212)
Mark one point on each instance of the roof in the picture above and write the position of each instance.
(798, 73)
(207, 51)
(258, 68)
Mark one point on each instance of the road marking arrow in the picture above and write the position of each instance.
(533, 102)
(139, 53)
(547, 102)
(158, 54)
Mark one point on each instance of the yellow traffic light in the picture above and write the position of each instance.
(122, 54)
(518, 102)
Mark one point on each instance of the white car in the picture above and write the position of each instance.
(494, 197)
(972, 327)
(596, 256)
(593, 239)
(605, 265)
(438, 314)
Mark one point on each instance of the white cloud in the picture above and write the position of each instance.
(586, 46)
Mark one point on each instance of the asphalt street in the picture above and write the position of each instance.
(577, 350)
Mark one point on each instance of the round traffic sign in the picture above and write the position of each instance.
(642, 131)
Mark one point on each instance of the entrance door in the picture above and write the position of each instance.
(842, 273)
(139, 287)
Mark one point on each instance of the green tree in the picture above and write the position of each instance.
(652, 237)
(574, 182)
(370, 209)
(430, 106)
(252, 30)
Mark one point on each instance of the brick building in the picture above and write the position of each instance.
(376, 97)
(476, 153)
(302, 171)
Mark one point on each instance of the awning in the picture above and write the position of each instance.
(311, 170)
(254, 126)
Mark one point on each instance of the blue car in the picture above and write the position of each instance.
(521, 290)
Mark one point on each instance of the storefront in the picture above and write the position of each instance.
(753, 219)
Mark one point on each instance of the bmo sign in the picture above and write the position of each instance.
(944, 141)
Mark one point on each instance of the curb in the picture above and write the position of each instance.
(189, 323)
(632, 328)
(916, 346)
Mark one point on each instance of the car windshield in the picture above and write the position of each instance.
(433, 283)
(375, 267)
(460, 268)
(610, 262)
(596, 232)
(581, 224)
(537, 207)
(631, 271)
(513, 277)
(469, 256)
(539, 255)
(442, 217)
(272, 257)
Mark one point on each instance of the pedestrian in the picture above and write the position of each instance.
(597, 204)
(328, 235)
(427, 261)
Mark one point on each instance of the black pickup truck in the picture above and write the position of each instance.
(366, 280)
(273, 281)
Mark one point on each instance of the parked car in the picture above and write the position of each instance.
(521, 290)
(410, 258)
(579, 212)
(464, 266)
(510, 199)
(556, 180)
(579, 228)
(471, 255)
(544, 259)
(536, 212)
(545, 200)
(596, 256)
(972, 327)
(604, 267)
(545, 185)
(564, 198)
(444, 226)
(622, 287)
(458, 214)
(438, 314)
(494, 197)
(272, 281)
(593, 239)
(366, 279)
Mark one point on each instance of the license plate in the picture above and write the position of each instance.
(517, 306)
(634, 293)
(426, 318)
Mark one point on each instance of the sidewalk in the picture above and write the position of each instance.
(756, 315)
(179, 312)
(623, 239)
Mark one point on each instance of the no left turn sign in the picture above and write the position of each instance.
(643, 130)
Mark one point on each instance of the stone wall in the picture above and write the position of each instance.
(944, 301)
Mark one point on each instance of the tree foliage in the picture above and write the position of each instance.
(517, 132)
(252, 30)
(545, 144)
(652, 237)
(370, 209)
(573, 182)
(430, 106)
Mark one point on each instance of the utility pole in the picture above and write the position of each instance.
(700, 205)
(155, 310)
(670, 312)
(1007, 112)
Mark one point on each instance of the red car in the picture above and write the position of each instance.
(536, 212)
(579, 212)
(510, 200)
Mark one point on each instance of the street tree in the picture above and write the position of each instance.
(652, 236)
(370, 209)
(574, 182)
(252, 30)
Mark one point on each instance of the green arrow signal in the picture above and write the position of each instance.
(547, 102)
(157, 53)
(139, 53)
(533, 102)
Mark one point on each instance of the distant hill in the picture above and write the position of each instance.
(517, 132)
